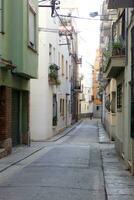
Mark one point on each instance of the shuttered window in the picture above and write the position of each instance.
(1, 16)
(119, 96)
(66, 69)
(132, 82)
(62, 107)
(32, 28)
(62, 65)
(50, 54)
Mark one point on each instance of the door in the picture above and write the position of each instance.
(66, 110)
(54, 110)
(15, 117)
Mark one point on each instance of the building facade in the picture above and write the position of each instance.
(86, 102)
(97, 103)
(51, 94)
(18, 63)
(108, 86)
(119, 72)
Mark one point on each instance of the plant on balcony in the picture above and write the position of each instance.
(118, 48)
(106, 56)
(53, 75)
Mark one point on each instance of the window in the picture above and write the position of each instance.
(113, 102)
(32, 28)
(107, 102)
(62, 107)
(50, 54)
(119, 96)
(69, 107)
(62, 64)
(59, 59)
(53, 55)
(132, 49)
(97, 108)
(1, 16)
(132, 84)
(66, 70)
(123, 26)
(70, 72)
(54, 110)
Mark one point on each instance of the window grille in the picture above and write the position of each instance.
(119, 96)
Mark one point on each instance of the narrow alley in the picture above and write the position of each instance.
(70, 168)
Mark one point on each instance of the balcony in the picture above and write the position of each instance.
(78, 87)
(82, 97)
(116, 62)
(115, 4)
(6, 64)
(79, 61)
(53, 75)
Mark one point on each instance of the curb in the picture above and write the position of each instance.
(15, 162)
(37, 150)
(65, 132)
(103, 137)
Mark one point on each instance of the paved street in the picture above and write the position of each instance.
(70, 168)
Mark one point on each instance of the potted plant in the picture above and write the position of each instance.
(116, 48)
(53, 74)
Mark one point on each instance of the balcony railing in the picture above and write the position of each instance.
(82, 97)
(78, 87)
(115, 61)
(114, 4)
(79, 61)
(6, 64)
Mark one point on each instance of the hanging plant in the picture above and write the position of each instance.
(53, 74)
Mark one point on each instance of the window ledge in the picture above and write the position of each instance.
(34, 50)
(113, 114)
(119, 110)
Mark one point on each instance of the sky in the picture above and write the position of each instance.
(88, 29)
(88, 34)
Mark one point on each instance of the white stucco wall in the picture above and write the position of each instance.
(41, 97)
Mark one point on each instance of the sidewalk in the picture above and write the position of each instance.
(21, 152)
(118, 180)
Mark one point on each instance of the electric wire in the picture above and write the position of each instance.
(64, 27)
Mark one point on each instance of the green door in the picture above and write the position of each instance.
(15, 117)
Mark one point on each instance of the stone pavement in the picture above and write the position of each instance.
(119, 182)
(20, 153)
(70, 170)
(80, 164)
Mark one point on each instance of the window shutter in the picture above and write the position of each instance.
(132, 84)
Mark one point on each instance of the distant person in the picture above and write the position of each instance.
(91, 116)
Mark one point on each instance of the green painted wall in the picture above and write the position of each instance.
(14, 45)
